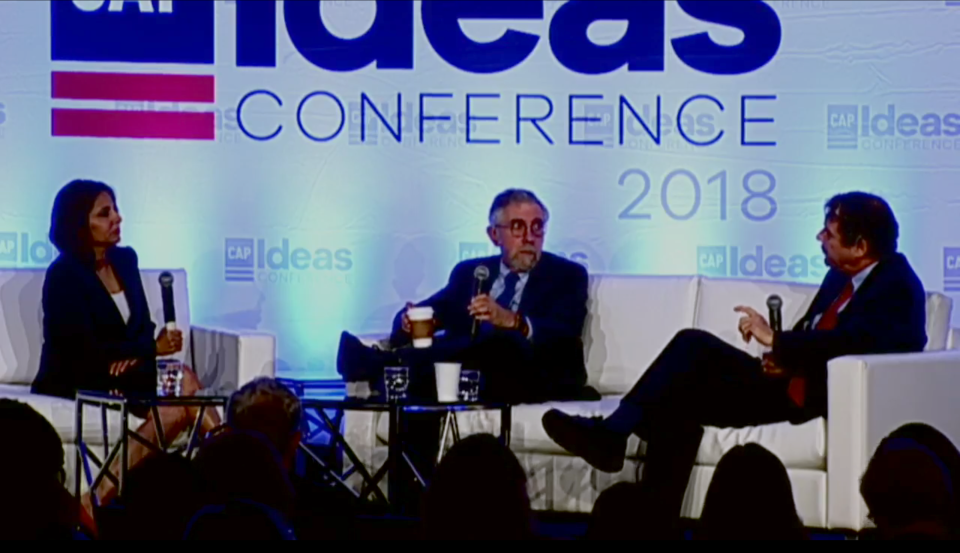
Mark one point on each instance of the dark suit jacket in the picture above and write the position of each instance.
(887, 314)
(554, 300)
(83, 331)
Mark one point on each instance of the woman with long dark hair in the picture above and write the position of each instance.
(97, 331)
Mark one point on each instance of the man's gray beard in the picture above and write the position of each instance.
(518, 263)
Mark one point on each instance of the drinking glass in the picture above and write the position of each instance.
(396, 383)
(169, 377)
(469, 386)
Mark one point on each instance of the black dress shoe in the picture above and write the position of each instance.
(587, 438)
(357, 362)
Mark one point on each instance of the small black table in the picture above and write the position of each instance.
(203, 400)
(315, 412)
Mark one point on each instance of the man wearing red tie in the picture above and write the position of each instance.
(870, 301)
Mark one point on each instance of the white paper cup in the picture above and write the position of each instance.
(448, 382)
(422, 332)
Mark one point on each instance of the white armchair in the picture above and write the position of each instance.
(222, 359)
(869, 397)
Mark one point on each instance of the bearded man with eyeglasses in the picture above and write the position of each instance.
(523, 328)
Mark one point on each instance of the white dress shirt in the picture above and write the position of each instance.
(501, 283)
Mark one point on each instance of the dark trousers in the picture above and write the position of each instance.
(698, 380)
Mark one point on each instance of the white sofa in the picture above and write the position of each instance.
(632, 318)
(222, 359)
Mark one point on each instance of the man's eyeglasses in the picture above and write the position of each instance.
(518, 227)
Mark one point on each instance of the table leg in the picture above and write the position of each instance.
(394, 457)
(456, 428)
(413, 468)
(104, 469)
(105, 429)
(377, 477)
(506, 423)
(444, 429)
(144, 442)
(91, 456)
(78, 420)
(339, 439)
(158, 428)
(197, 424)
(330, 471)
(124, 441)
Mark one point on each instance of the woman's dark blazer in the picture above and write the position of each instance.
(83, 331)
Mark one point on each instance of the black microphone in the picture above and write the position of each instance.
(774, 305)
(166, 293)
(480, 274)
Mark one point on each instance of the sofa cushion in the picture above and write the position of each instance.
(629, 320)
(21, 330)
(62, 415)
(798, 446)
(718, 297)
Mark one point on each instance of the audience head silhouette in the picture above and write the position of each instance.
(479, 491)
(267, 407)
(159, 499)
(241, 466)
(40, 507)
(750, 497)
(628, 511)
(910, 485)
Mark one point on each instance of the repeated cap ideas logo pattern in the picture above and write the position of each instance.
(474, 250)
(8, 247)
(371, 131)
(850, 125)
(724, 261)
(951, 269)
(693, 127)
(842, 127)
(244, 257)
(18, 248)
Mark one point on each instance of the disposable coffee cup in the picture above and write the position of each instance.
(448, 382)
(421, 326)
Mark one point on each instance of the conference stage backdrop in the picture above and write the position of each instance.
(314, 165)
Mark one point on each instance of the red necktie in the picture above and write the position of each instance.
(828, 321)
(797, 388)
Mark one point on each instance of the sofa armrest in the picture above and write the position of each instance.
(953, 338)
(224, 360)
(871, 396)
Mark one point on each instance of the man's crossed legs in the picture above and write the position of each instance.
(697, 380)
